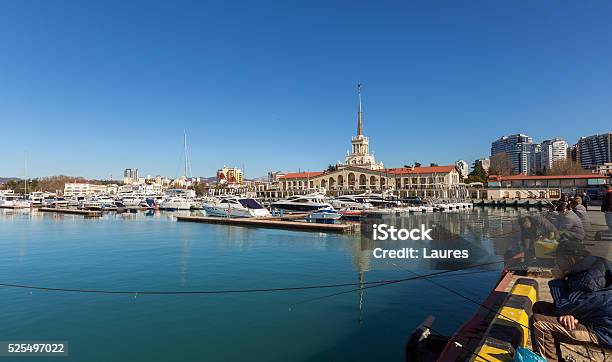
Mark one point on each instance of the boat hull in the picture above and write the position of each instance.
(224, 211)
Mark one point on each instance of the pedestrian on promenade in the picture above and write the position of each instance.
(606, 205)
(585, 200)
(581, 212)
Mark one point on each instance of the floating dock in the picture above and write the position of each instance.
(71, 211)
(275, 223)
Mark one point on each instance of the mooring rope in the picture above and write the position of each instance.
(233, 291)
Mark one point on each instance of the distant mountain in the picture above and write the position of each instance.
(209, 179)
(7, 179)
(260, 178)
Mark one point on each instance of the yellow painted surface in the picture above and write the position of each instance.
(514, 315)
(492, 354)
(542, 248)
(525, 290)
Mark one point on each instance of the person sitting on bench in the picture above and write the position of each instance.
(582, 308)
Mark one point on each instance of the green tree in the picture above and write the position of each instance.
(201, 188)
(478, 174)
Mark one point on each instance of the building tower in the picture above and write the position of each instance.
(360, 155)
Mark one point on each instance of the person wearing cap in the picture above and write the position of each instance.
(582, 308)
(567, 222)
(581, 212)
(606, 205)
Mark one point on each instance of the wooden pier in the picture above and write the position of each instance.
(272, 222)
(71, 211)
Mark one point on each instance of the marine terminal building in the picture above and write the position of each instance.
(361, 173)
(544, 187)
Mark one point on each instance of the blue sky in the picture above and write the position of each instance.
(90, 88)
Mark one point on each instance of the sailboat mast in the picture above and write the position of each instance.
(25, 174)
(185, 150)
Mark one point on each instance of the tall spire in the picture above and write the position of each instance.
(359, 119)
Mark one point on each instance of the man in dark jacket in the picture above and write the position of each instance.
(582, 308)
(606, 205)
(585, 200)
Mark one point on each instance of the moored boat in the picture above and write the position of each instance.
(324, 216)
(352, 213)
(235, 207)
(301, 203)
(173, 203)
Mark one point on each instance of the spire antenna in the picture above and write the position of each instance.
(359, 117)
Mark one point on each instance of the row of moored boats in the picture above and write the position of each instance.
(316, 205)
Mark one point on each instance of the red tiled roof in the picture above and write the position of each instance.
(392, 171)
(301, 175)
(546, 177)
(418, 170)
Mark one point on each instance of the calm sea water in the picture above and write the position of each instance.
(154, 252)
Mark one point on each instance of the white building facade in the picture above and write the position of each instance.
(552, 150)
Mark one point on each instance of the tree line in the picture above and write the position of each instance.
(49, 184)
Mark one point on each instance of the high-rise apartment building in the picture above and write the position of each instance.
(520, 150)
(130, 175)
(595, 150)
(550, 151)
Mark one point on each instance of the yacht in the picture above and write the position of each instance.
(37, 198)
(56, 202)
(98, 203)
(173, 203)
(10, 200)
(136, 200)
(310, 202)
(324, 216)
(235, 207)
(377, 200)
(351, 201)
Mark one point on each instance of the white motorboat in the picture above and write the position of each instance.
(297, 203)
(388, 211)
(385, 199)
(235, 207)
(136, 200)
(175, 203)
(324, 216)
(350, 201)
(37, 199)
(10, 200)
(98, 203)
